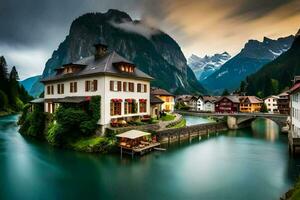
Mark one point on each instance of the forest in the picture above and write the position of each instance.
(13, 95)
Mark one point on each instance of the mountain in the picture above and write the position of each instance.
(29, 83)
(252, 57)
(204, 67)
(153, 51)
(276, 76)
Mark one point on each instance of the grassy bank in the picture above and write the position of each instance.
(93, 144)
(168, 117)
(293, 194)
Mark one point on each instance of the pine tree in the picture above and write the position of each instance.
(225, 92)
(3, 75)
(13, 87)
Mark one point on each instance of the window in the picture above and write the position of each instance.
(50, 89)
(60, 88)
(115, 107)
(91, 86)
(115, 86)
(141, 87)
(131, 87)
(143, 105)
(73, 87)
(130, 106)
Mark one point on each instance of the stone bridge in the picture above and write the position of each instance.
(241, 120)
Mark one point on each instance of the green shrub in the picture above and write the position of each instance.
(54, 133)
(24, 114)
(94, 144)
(32, 124)
(19, 104)
(88, 127)
(94, 107)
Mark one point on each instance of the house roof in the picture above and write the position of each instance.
(211, 99)
(159, 91)
(133, 134)
(186, 98)
(294, 88)
(234, 99)
(252, 99)
(155, 100)
(36, 101)
(69, 100)
(104, 65)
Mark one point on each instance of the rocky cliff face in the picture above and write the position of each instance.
(153, 51)
(252, 57)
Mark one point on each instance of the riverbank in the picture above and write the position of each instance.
(294, 193)
(7, 113)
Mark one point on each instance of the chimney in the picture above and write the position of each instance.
(101, 50)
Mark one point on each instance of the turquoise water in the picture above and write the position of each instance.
(193, 120)
(244, 164)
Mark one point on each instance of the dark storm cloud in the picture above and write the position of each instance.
(31, 29)
(252, 9)
(35, 22)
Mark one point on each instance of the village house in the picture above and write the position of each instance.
(250, 104)
(124, 89)
(227, 104)
(200, 104)
(209, 103)
(166, 97)
(155, 106)
(188, 100)
(283, 103)
(271, 103)
(295, 107)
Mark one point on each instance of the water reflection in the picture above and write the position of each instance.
(239, 164)
(265, 128)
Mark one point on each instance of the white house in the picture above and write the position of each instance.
(200, 104)
(209, 103)
(295, 107)
(271, 103)
(124, 89)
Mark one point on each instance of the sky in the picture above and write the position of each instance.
(30, 30)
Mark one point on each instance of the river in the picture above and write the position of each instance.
(243, 164)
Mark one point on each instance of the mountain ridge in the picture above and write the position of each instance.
(204, 67)
(251, 58)
(159, 55)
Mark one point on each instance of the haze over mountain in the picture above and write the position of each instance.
(276, 76)
(28, 85)
(204, 67)
(251, 58)
(153, 51)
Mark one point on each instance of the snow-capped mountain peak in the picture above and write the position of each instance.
(203, 67)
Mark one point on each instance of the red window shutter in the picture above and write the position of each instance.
(95, 85)
(111, 85)
(119, 85)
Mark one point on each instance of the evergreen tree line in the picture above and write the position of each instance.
(13, 95)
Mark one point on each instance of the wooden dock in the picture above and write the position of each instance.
(139, 150)
(294, 141)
